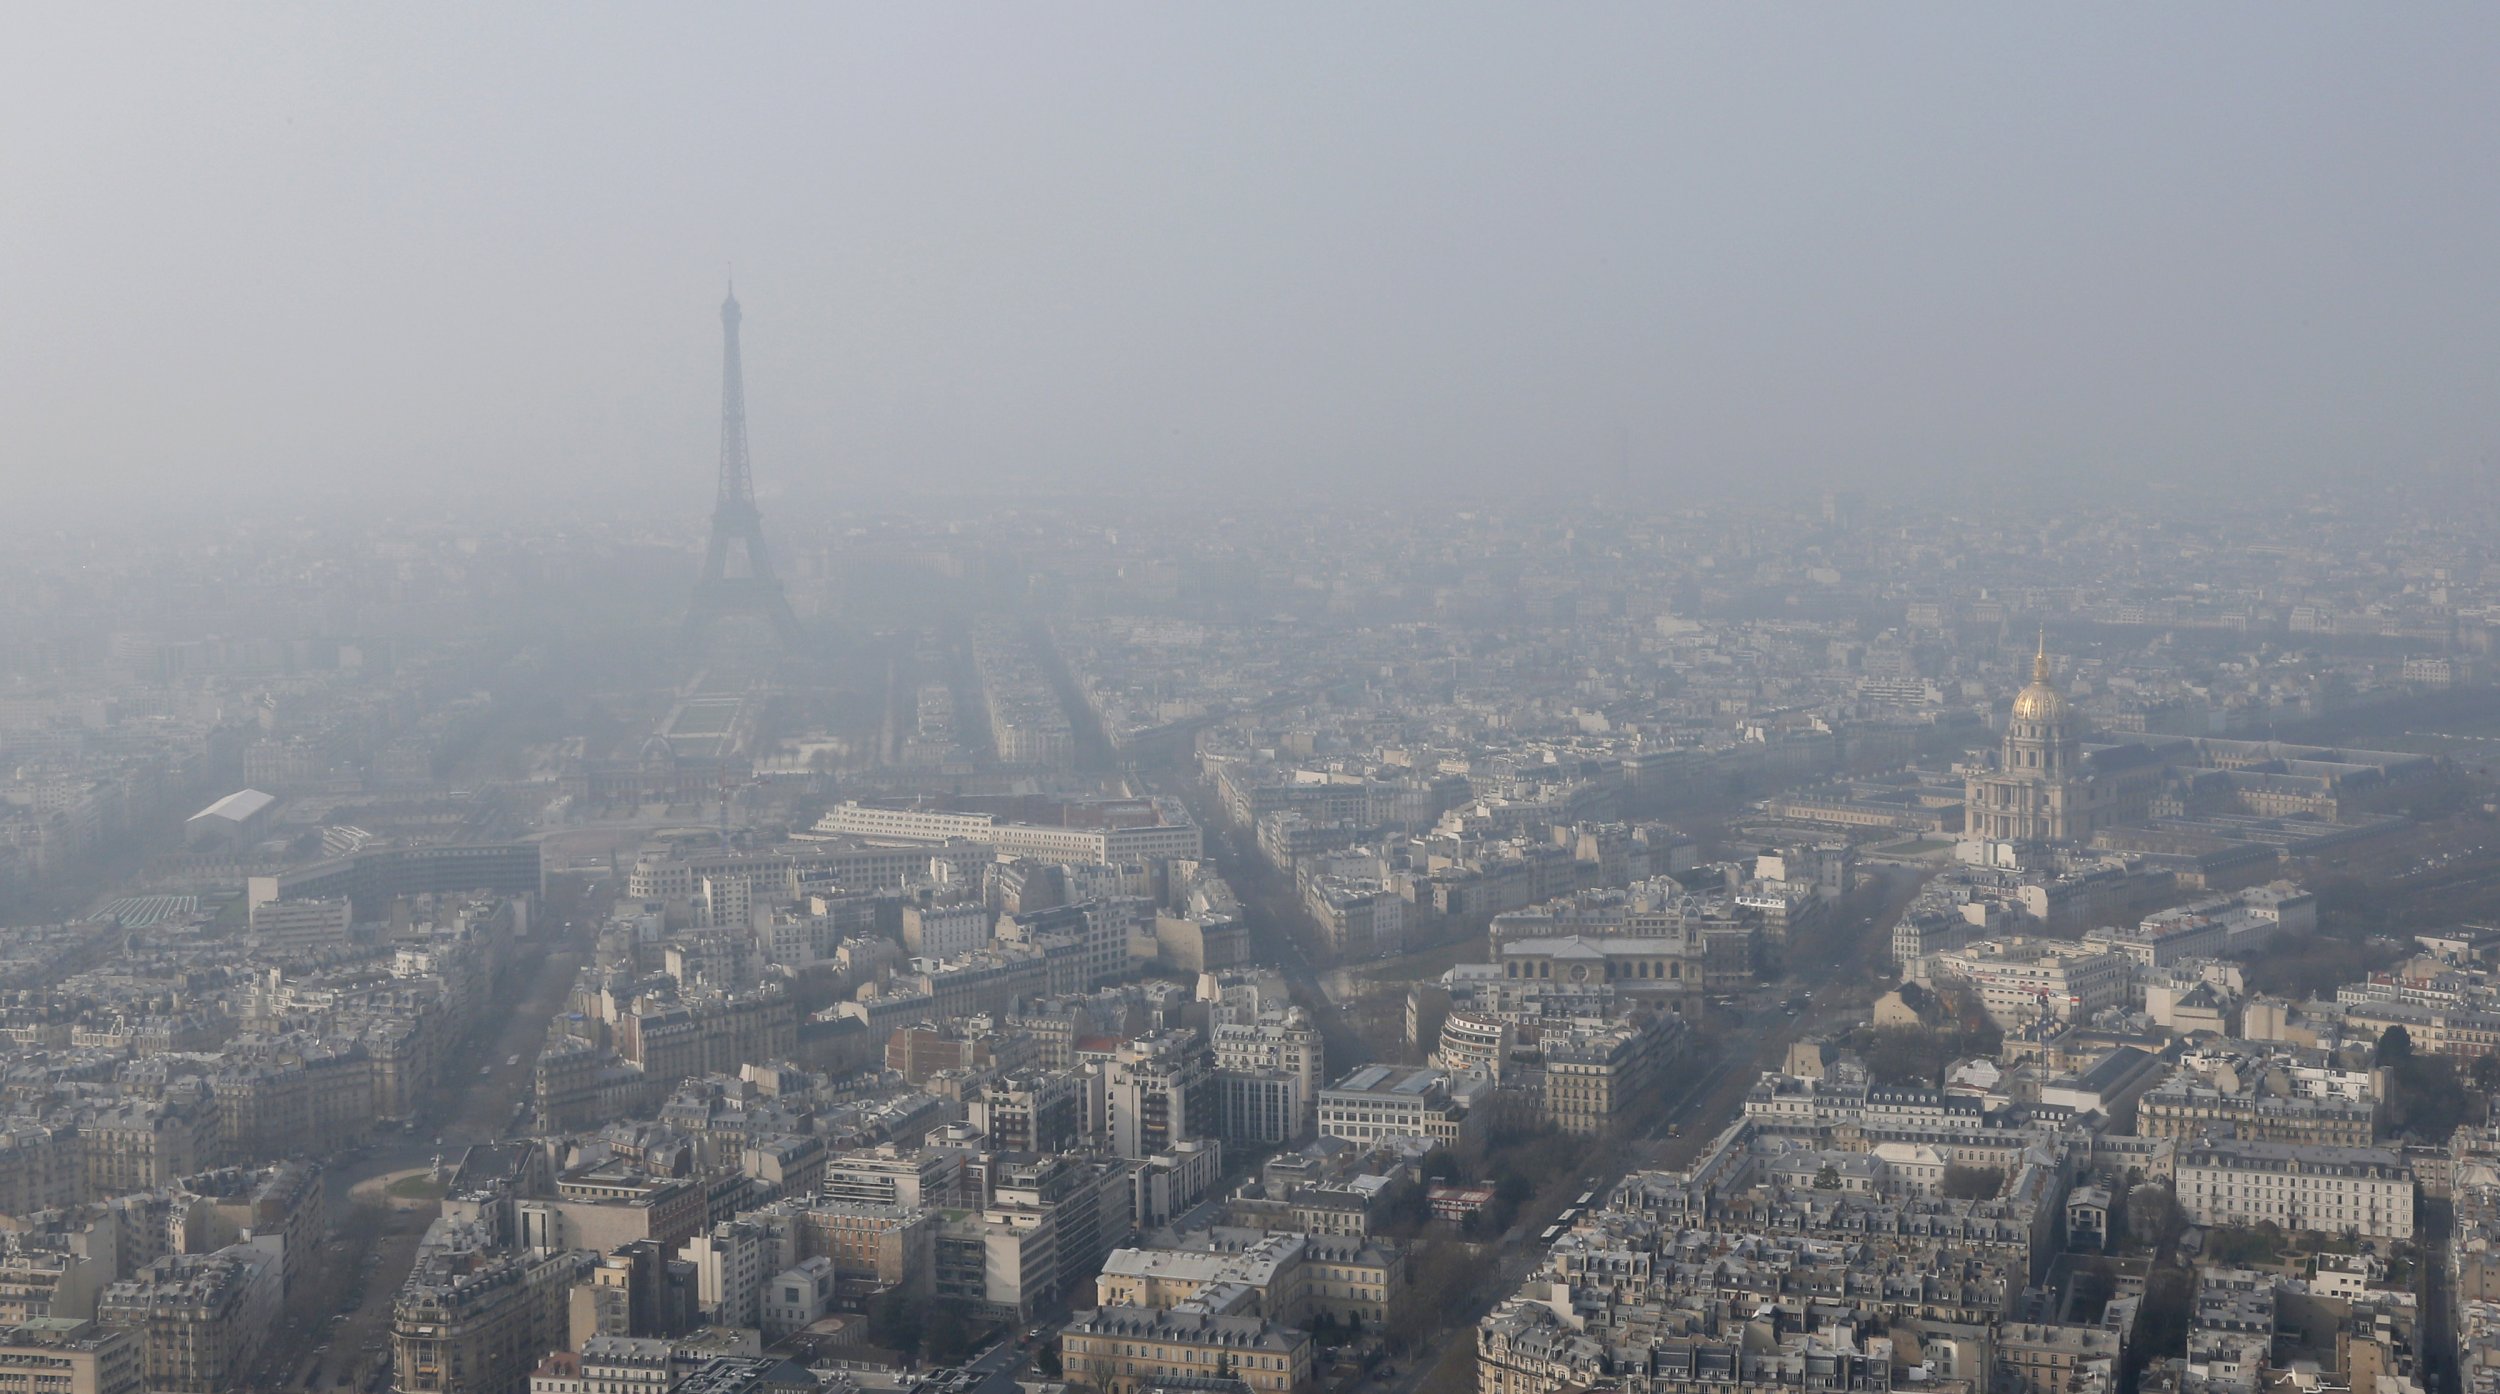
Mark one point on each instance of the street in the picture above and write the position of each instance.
(336, 1327)
(1697, 1108)
(1270, 911)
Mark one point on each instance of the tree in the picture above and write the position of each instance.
(1046, 1360)
(1827, 1179)
(1918, 1055)
(1442, 1274)
(2114, 1231)
(947, 1337)
(1962, 1003)
(2395, 1045)
(2243, 1245)
(2161, 1319)
(2485, 1072)
(2154, 1218)
(2424, 1095)
(894, 1322)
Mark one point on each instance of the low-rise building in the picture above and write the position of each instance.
(1121, 1350)
(1398, 1101)
(797, 1296)
(66, 1355)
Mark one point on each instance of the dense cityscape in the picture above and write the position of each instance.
(1108, 698)
(1822, 944)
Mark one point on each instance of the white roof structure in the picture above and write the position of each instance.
(241, 806)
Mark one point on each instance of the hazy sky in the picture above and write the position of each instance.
(431, 249)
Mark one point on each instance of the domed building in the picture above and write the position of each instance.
(2041, 789)
(2181, 796)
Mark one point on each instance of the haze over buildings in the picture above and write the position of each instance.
(1284, 701)
(435, 256)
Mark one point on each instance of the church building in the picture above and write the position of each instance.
(2042, 788)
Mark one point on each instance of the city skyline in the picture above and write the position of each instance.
(1306, 701)
(1122, 248)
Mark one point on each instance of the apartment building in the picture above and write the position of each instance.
(872, 1247)
(1029, 1111)
(2362, 1190)
(1594, 1072)
(611, 1205)
(1158, 1091)
(301, 926)
(2020, 980)
(1121, 1350)
(1268, 1271)
(904, 1177)
(67, 1355)
(1005, 1261)
(2188, 1105)
(1261, 1107)
(2049, 1358)
(797, 1296)
(1280, 1043)
(731, 1262)
(1290, 1279)
(945, 931)
(624, 1365)
(1359, 918)
(474, 1320)
(43, 1166)
(200, 1319)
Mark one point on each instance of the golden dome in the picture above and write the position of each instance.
(2041, 702)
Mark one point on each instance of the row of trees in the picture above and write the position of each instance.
(940, 1332)
(1952, 1025)
(2425, 1096)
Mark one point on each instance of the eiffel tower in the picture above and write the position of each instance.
(738, 579)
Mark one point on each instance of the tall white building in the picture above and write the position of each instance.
(1268, 1072)
(1157, 1092)
(731, 1261)
(946, 931)
(1283, 1041)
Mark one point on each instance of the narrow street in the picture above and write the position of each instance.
(2437, 1295)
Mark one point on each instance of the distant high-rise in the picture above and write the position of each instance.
(738, 577)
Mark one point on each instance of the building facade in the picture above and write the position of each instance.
(2334, 1190)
